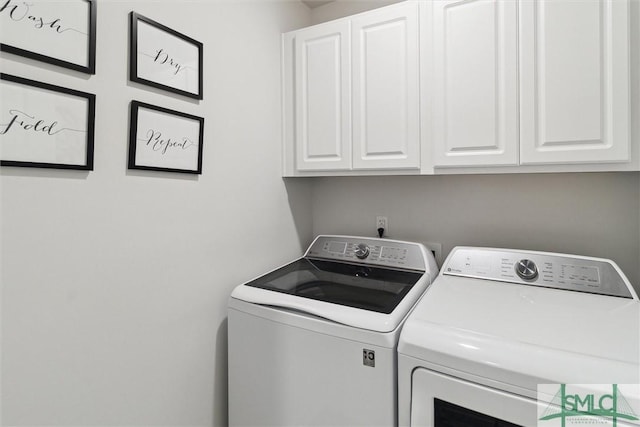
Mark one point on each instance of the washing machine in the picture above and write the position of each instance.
(314, 343)
(518, 338)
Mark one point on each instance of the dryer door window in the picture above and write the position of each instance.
(441, 400)
(449, 415)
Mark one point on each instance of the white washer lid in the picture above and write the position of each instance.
(395, 258)
(524, 335)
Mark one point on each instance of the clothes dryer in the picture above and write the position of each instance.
(497, 325)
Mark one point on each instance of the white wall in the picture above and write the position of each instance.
(115, 282)
(342, 8)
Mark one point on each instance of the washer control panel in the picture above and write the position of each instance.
(574, 273)
(370, 251)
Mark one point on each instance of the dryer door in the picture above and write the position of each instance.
(439, 400)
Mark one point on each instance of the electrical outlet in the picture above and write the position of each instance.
(381, 222)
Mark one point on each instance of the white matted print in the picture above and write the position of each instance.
(165, 140)
(164, 58)
(62, 33)
(43, 125)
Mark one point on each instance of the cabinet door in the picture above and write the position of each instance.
(322, 97)
(473, 80)
(386, 115)
(574, 81)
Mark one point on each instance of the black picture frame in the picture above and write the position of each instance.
(178, 70)
(27, 26)
(36, 131)
(161, 139)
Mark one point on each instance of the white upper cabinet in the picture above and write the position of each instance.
(473, 82)
(351, 94)
(574, 67)
(322, 98)
(572, 64)
(464, 86)
(385, 76)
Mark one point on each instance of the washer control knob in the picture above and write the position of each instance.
(362, 250)
(527, 269)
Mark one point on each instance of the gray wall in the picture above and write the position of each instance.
(592, 214)
(115, 283)
(342, 8)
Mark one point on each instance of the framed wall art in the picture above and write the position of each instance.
(61, 33)
(164, 58)
(43, 125)
(165, 140)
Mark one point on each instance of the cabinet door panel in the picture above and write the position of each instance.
(322, 98)
(575, 81)
(386, 127)
(474, 83)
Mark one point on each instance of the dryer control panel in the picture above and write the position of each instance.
(560, 271)
(370, 251)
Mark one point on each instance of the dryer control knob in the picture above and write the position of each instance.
(527, 269)
(362, 250)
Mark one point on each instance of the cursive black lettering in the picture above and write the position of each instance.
(38, 22)
(20, 12)
(8, 125)
(16, 12)
(160, 54)
(23, 121)
(163, 58)
(155, 141)
(55, 25)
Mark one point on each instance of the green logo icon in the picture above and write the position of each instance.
(589, 407)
